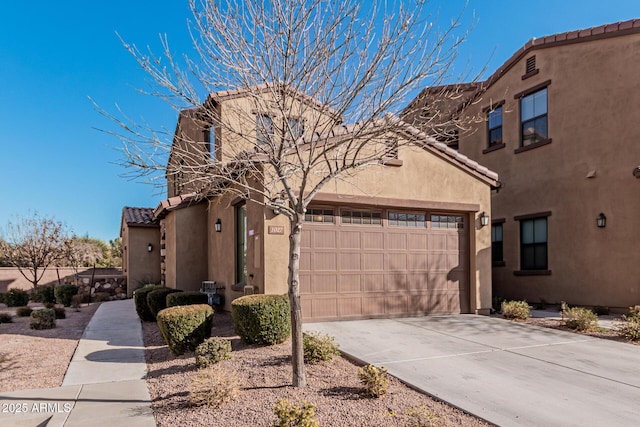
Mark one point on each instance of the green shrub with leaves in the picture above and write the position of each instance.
(140, 301)
(101, 297)
(579, 318)
(157, 299)
(44, 318)
(262, 319)
(2, 296)
(212, 387)
(629, 329)
(516, 310)
(375, 380)
(60, 312)
(422, 417)
(64, 294)
(43, 294)
(24, 311)
(212, 350)
(185, 327)
(318, 348)
(292, 415)
(186, 298)
(16, 298)
(634, 312)
(5, 318)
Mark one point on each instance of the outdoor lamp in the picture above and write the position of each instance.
(601, 220)
(218, 225)
(149, 247)
(484, 219)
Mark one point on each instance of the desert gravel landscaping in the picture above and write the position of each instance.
(32, 359)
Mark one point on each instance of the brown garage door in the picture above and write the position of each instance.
(357, 264)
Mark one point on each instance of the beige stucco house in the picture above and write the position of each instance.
(559, 123)
(402, 238)
(140, 234)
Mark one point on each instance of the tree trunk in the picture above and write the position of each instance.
(297, 353)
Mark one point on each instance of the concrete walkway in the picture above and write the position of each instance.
(510, 374)
(104, 384)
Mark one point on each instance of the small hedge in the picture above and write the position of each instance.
(516, 310)
(140, 300)
(262, 319)
(16, 298)
(24, 311)
(186, 298)
(60, 312)
(64, 294)
(5, 318)
(212, 350)
(579, 318)
(318, 348)
(43, 319)
(157, 300)
(43, 294)
(185, 327)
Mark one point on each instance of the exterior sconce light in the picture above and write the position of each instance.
(484, 219)
(601, 220)
(279, 203)
(218, 225)
(149, 247)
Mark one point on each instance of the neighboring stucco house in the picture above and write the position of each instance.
(558, 121)
(140, 234)
(402, 238)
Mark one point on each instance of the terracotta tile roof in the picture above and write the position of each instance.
(174, 203)
(139, 217)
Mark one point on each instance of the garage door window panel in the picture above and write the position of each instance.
(361, 217)
(447, 221)
(404, 219)
(319, 215)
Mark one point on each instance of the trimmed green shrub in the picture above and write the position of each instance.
(140, 300)
(516, 310)
(24, 311)
(186, 298)
(101, 297)
(185, 327)
(318, 348)
(212, 387)
(5, 318)
(44, 318)
(16, 298)
(375, 380)
(64, 293)
(60, 312)
(579, 318)
(2, 295)
(262, 319)
(43, 294)
(157, 299)
(212, 350)
(290, 414)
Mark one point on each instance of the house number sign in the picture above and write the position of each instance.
(276, 229)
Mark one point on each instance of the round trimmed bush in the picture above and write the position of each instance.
(24, 311)
(185, 327)
(43, 294)
(16, 298)
(262, 319)
(157, 299)
(212, 350)
(140, 300)
(186, 298)
(64, 294)
(43, 319)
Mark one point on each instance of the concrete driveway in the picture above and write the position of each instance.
(508, 373)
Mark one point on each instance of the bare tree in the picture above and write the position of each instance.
(326, 61)
(33, 244)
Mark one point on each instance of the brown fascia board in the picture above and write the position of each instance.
(224, 95)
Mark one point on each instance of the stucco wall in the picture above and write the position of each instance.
(141, 266)
(592, 115)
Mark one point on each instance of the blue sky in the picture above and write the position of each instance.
(54, 55)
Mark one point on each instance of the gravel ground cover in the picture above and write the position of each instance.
(32, 359)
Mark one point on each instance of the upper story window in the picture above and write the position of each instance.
(210, 141)
(361, 217)
(264, 128)
(533, 117)
(494, 124)
(296, 127)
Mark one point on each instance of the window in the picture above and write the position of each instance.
(319, 215)
(241, 243)
(533, 116)
(264, 128)
(210, 141)
(497, 255)
(494, 123)
(361, 217)
(533, 244)
(297, 128)
(407, 219)
(447, 221)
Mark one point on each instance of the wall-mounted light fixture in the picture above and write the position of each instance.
(279, 203)
(149, 247)
(484, 219)
(218, 225)
(601, 220)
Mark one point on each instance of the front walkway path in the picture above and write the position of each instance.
(104, 384)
